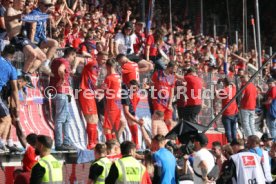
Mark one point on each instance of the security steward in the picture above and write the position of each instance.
(48, 169)
(100, 167)
(126, 170)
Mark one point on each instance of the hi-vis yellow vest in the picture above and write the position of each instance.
(106, 164)
(53, 170)
(130, 171)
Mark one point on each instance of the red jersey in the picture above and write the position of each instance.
(153, 48)
(55, 80)
(193, 90)
(76, 43)
(163, 85)
(113, 91)
(249, 96)
(130, 71)
(271, 93)
(29, 159)
(135, 100)
(230, 91)
(138, 46)
(89, 76)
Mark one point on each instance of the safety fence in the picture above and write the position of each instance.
(211, 104)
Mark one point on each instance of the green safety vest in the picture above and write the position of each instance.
(106, 164)
(130, 171)
(53, 170)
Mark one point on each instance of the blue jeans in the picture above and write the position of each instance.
(271, 123)
(248, 122)
(62, 120)
(230, 126)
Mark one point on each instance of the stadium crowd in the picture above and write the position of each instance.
(102, 48)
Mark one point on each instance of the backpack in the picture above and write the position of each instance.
(272, 109)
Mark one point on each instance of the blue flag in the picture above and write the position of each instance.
(35, 18)
(225, 65)
(150, 14)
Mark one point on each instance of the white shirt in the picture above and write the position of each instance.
(248, 168)
(266, 167)
(202, 155)
(125, 43)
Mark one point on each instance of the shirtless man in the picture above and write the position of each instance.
(33, 54)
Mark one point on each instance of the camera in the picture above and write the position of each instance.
(180, 151)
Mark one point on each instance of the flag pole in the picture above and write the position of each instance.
(171, 28)
(258, 34)
(244, 27)
(254, 37)
(201, 16)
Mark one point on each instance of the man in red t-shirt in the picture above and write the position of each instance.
(130, 70)
(193, 92)
(60, 81)
(229, 116)
(164, 82)
(248, 106)
(139, 45)
(112, 113)
(270, 96)
(29, 160)
(88, 86)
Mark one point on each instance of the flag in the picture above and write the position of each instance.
(225, 64)
(150, 14)
(35, 18)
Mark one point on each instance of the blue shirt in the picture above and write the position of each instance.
(7, 72)
(40, 33)
(166, 163)
(257, 150)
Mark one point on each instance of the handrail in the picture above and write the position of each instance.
(239, 92)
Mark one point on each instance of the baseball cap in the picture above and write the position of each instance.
(46, 2)
(202, 139)
(266, 137)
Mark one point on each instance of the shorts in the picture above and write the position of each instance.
(5, 120)
(88, 103)
(20, 42)
(39, 41)
(112, 119)
(167, 112)
(100, 106)
(4, 110)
